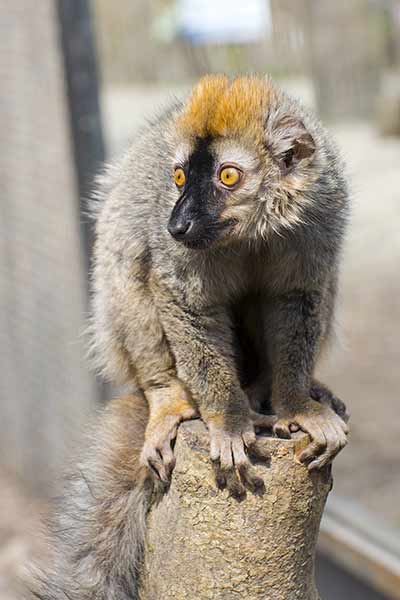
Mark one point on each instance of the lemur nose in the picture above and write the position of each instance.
(178, 229)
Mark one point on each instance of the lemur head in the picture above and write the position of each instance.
(243, 162)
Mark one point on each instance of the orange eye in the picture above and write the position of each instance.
(229, 176)
(179, 177)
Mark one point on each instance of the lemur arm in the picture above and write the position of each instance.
(297, 332)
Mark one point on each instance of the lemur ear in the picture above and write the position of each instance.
(291, 143)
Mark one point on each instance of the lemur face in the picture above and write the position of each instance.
(215, 178)
(232, 163)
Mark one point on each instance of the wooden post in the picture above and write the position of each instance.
(202, 544)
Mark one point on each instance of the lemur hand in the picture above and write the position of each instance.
(161, 430)
(232, 441)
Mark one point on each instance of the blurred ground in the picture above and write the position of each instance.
(364, 366)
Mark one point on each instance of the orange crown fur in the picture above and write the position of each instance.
(218, 106)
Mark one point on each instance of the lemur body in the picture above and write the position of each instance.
(214, 294)
(164, 297)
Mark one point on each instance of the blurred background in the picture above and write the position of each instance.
(77, 80)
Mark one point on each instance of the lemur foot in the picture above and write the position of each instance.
(230, 449)
(327, 430)
(321, 393)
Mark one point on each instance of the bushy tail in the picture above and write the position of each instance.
(98, 529)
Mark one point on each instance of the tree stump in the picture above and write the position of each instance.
(203, 544)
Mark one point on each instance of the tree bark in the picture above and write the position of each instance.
(202, 544)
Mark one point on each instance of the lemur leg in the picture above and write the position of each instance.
(252, 341)
(203, 348)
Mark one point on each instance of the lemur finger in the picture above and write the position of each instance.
(227, 474)
(322, 460)
(215, 445)
(247, 473)
(215, 453)
(326, 457)
(238, 452)
(250, 479)
(336, 441)
(253, 448)
(168, 457)
(226, 459)
(330, 450)
(317, 445)
(249, 437)
(157, 465)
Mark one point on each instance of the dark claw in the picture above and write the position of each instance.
(235, 488)
(219, 475)
(254, 483)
